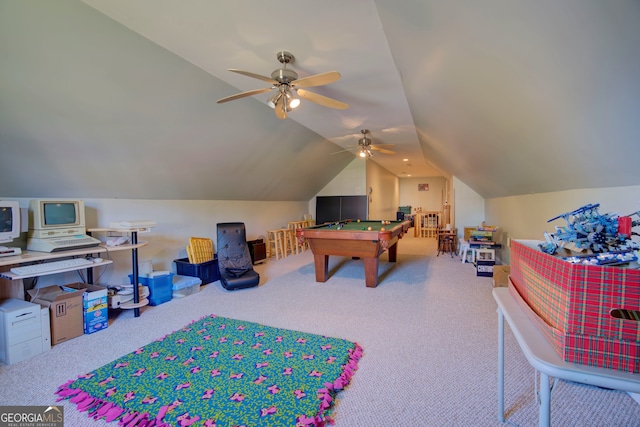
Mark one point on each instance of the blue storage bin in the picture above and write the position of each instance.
(160, 286)
(185, 285)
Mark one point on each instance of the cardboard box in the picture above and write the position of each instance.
(572, 305)
(65, 310)
(501, 276)
(95, 307)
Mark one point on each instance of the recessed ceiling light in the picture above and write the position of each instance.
(405, 160)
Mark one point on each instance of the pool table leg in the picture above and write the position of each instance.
(321, 264)
(371, 271)
(393, 252)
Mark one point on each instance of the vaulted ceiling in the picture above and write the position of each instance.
(117, 98)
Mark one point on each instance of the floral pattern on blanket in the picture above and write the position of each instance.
(219, 372)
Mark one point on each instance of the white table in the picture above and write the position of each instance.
(546, 361)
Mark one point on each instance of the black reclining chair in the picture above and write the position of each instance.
(234, 259)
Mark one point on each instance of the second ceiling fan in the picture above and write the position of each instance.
(365, 147)
(286, 83)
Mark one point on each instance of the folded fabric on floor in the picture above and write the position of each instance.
(219, 372)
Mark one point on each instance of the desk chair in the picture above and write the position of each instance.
(234, 258)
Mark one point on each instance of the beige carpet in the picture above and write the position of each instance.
(429, 333)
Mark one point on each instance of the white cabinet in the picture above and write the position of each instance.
(21, 330)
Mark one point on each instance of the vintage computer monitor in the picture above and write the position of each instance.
(9, 226)
(57, 225)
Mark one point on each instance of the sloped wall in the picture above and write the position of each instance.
(525, 217)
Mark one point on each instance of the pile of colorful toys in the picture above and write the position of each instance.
(605, 239)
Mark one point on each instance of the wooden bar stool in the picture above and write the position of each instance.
(300, 224)
(310, 222)
(289, 245)
(293, 226)
(297, 224)
(275, 243)
(446, 242)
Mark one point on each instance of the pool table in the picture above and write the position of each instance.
(354, 239)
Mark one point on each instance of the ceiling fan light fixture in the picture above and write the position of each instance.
(273, 99)
(292, 101)
(365, 152)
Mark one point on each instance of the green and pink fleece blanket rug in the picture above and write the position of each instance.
(220, 372)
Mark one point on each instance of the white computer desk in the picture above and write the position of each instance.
(546, 361)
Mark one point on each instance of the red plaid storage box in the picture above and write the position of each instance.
(572, 304)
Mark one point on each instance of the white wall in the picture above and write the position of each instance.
(351, 181)
(428, 200)
(177, 221)
(356, 180)
(388, 191)
(383, 189)
(469, 207)
(525, 217)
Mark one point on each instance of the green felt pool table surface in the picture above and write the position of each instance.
(358, 225)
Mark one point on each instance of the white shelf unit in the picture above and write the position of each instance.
(133, 232)
(27, 257)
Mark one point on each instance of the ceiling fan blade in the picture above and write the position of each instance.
(381, 150)
(255, 76)
(322, 100)
(342, 151)
(281, 112)
(243, 94)
(317, 80)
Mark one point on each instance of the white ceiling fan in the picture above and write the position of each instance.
(365, 147)
(287, 84)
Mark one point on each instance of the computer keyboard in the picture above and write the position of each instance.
(59, 244)
(77, 241)
(51, 267)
